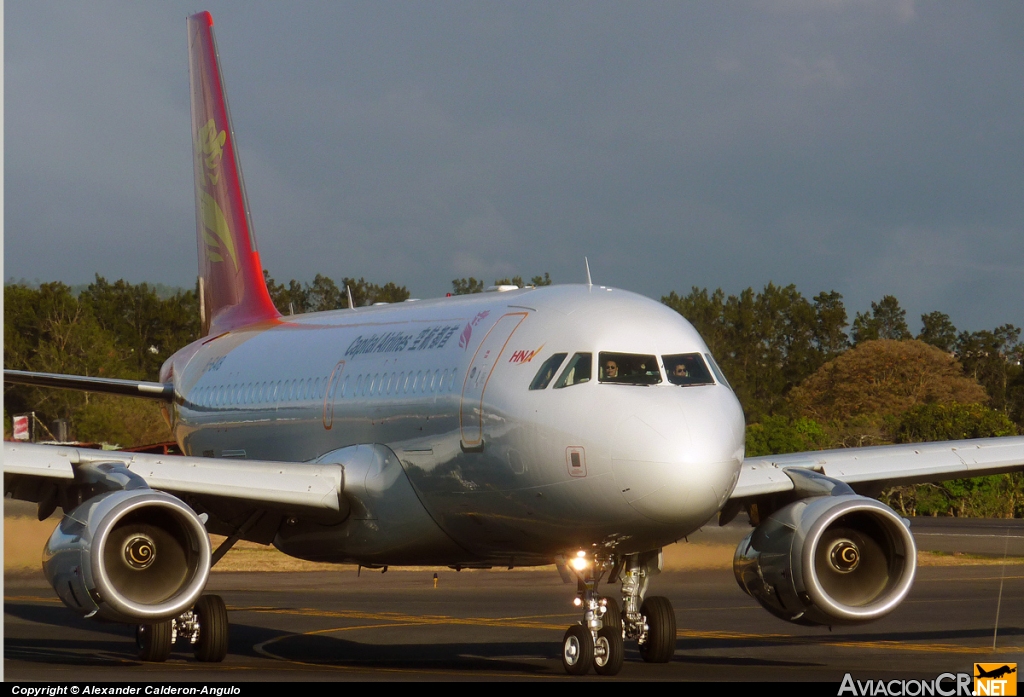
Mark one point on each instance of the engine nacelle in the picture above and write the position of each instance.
(828, 560)
(138, 556)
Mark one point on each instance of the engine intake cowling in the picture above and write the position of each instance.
(136, 556)
(828, 560)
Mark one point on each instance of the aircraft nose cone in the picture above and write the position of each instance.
(677, 460)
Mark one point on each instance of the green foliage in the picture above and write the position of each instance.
(938, 331)
(49, 330)
(830, 336)
(776, 435)
(536, 281)
(324, 294)
(466, 286)
(290, 299)
(110, 330)
(707, 315)
(887, 321)
(147, 327)
(934, 422)
(993, 358)
(365, 293)
(121, 420)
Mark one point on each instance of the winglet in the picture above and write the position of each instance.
(348, 292)
(590, 284)
(231, 274)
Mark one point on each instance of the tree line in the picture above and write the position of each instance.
(807, 377)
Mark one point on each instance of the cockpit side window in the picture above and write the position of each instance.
(718, 371)
(547, 371)
(687, 369)
(628, 368)
(577, 371)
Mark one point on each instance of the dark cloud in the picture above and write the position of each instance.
(870, 148)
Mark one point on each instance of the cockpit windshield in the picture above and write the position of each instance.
(576, 371)
(687, 369)
(629, 368)
(547, 371)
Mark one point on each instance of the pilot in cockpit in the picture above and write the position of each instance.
(610, 370)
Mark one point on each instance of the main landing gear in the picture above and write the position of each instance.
(598, 641)
(205, 627)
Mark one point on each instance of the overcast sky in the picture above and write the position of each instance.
(870, 148)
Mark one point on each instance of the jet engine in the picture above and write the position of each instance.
(826, 560)
(137, 556)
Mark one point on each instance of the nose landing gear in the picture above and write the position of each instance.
(599, 639)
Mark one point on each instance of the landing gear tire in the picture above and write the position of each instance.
(577, 650)
(660, 644)
(212, 644)
(609, 650)
(613, 615)
(154, 641)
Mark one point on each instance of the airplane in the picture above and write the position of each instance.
(580, 424)
(995, 673)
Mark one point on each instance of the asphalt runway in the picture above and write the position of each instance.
(500, 625)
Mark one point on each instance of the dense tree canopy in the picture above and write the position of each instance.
(775, 435)
(48, 329)
(324, 294)
(887, 320)
(938, 331)
(884, 378)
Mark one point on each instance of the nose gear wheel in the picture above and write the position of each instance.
(660, 643)
(608, 651)
(577, 650)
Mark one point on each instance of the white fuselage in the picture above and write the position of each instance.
(504, 471)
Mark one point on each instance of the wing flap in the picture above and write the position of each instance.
(280, 484)
(886, 465)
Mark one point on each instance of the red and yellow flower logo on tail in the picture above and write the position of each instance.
(216, 231)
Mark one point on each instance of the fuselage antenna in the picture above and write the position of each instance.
(348, 292)
(590, 283)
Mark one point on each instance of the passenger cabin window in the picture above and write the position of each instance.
(547, 371)
(628, 368)
(578, 370)
(687, 369)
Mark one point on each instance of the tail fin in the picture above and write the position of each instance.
(232, 290)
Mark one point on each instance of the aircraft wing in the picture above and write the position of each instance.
(131, 388)
(28, 468)
(874, 468)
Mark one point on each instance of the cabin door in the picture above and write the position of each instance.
(333, 386)
(471, 410)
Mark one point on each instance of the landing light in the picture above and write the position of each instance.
(580, 562)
